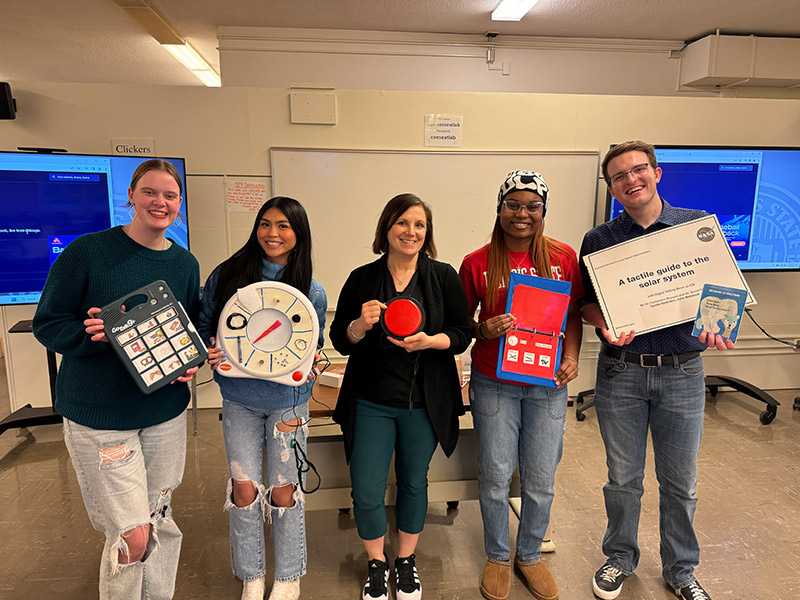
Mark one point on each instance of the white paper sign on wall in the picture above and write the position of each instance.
(244, 194)
(443, 130)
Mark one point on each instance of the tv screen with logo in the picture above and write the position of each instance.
(755, 193)
(48, 200)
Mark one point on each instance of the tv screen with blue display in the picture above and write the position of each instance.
(755, 193)
(48, 200)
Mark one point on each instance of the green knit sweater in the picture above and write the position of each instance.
(93, 387)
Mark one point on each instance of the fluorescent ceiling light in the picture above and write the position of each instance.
(512, 10)
(190, 59)
(209, 78)
(158, 27)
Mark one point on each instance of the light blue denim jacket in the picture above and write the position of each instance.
(260, 393)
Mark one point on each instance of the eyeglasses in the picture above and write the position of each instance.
(531, 207)
(637, 170)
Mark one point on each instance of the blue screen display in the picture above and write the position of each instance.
(755, 193)
(48, 200)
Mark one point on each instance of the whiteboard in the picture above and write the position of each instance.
(344, 192)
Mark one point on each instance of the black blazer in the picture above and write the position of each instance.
(446, 312)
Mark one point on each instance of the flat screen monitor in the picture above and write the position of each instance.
(755, 193)
(48, 200)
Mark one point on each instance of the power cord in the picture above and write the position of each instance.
(764, 331)
(304, 465)
(326, 364)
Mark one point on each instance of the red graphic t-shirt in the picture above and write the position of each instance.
(473, 277)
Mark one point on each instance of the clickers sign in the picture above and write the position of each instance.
(133, 149)
(134, 146)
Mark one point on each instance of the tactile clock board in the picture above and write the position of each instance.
(155, 339)
(268, 330)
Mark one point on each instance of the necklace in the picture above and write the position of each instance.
(517, 264)
(165, 243)
(397, 279)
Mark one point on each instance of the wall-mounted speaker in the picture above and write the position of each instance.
(8, 106)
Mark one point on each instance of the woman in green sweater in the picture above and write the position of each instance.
(128, 448)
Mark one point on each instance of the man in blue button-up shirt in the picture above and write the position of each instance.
(651, 381)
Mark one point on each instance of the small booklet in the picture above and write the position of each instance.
(720, 311)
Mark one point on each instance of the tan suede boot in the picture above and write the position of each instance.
(540, 582)
(496, 580)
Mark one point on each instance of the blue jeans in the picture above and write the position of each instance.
(126, 479)
(381, 431)
(669, 400)
(516, 421)
(246, 431)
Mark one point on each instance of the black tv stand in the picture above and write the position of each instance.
(713, 383)
(28, 416)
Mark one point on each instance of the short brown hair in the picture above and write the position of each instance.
(391, 212)
(156, 164)
(630, 146)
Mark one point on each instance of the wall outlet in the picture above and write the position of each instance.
(797, 344)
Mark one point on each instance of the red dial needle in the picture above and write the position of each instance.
(269, 329)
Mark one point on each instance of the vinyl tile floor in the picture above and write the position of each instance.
(748, 519)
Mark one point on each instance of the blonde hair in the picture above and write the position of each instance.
(155, 164)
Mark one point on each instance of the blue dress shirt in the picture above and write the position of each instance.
(676, 339)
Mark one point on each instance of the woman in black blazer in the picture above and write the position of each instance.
(400, 395)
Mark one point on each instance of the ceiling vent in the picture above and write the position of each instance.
(735, 61)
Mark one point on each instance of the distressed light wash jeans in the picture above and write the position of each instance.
(127, 479)
(516, 421)
(247, 431)
(669, 401)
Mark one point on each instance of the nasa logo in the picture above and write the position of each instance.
(705, 234)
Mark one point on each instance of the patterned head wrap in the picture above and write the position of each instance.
(526, 181)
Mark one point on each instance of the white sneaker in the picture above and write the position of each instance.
(408, 584)
(377, 585)
(253, 590)
(548, 546)
(285, 590)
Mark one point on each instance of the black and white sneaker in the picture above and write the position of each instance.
(377, 586)
(607, 582)
(408, 585)
(693, 591)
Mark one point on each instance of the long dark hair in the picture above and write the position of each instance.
(498, 271)
(244, 266)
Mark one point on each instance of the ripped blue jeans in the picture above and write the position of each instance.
(126, 479)
(247, 431)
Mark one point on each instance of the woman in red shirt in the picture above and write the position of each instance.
(516, 419)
